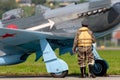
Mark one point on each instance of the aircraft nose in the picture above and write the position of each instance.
(114, 13)
(116, 7)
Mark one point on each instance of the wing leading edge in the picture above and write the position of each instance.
(25, 42)
(21, 42)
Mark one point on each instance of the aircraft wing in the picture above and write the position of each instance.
(18, 36)
(20, 43)
(17, 41)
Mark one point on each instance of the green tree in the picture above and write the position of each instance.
(7, 5)
(39, 1)
(82, 1)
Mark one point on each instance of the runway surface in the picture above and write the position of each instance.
(111, 77)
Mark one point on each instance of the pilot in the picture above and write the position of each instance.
(83, 46)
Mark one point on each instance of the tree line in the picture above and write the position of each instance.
(6, 5)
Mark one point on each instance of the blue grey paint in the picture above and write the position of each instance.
(53, 64)
(18, 47)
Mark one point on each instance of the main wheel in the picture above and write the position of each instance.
(100, 67)
(60, 74)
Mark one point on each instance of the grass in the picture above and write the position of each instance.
(32, 68)
(113, 59)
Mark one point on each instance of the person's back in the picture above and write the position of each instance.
(84, 38)
(83, 44)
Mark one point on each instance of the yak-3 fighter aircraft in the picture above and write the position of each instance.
(55, 28)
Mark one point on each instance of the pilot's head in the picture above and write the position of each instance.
(84, 25)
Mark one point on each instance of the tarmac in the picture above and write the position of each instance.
(111, 77)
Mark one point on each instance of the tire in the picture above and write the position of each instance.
(60, 75)
(100, 67)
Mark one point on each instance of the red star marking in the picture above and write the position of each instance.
(12, 26)
(7, 35)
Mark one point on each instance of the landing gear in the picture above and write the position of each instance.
(60, 74)
(55, 66)
(101, 66)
